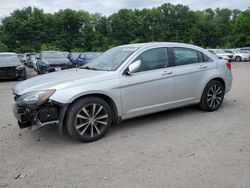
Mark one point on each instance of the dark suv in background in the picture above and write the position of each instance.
(50, 61)
(73, 56)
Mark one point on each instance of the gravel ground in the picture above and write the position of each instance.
(177, 148)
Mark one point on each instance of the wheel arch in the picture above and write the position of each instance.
(108, 99)
(219, 79)
(238, 56)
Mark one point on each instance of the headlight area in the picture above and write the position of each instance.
(36, 110)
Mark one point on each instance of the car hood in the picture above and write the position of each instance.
(62, 79)
(8, 64)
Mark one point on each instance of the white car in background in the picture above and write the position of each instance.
(245, 49)
(221, 54)
(34, 60)
(238, 55)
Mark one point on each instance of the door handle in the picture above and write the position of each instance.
(167, 73)
(203, 67)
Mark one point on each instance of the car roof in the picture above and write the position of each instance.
(151, 44)
(142, 46)
(7, 53)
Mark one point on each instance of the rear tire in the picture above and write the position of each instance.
(212, 96)
(238, 59)
(88, 119)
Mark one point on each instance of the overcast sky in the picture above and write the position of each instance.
(108, 7)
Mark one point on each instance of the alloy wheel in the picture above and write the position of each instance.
(91, 120)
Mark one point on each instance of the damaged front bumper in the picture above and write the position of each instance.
(35, 117)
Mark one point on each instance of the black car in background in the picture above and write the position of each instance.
(11, 67)
(73, 56)
(50, 61)
(66, 54)
(85, 58)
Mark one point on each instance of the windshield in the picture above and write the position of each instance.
(219, 51)
(75, 55)
(111, 59)
(240, 51)
(229, 51)
(53, 55)
(33, 56)
(8, 58)
(66, 54)
(90, 55)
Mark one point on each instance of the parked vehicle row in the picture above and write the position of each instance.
(124, 82)
(50, 61)
(237, 55)
(27, 59)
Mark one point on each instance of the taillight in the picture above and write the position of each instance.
(229, 66)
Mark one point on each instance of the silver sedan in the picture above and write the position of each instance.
(124, 82)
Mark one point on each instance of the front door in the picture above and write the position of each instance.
(151, 88)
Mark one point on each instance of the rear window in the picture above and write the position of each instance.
(52, 55)
(185, 56)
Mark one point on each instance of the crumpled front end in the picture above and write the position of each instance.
(36, 116)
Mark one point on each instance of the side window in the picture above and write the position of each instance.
(153, 59)
(206, 58)
(185, 56)
(200, 56)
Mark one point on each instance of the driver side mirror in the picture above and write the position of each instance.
(133, 67)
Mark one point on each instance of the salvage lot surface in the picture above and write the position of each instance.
(177, 148)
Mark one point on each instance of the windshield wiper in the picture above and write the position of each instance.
(89, 68)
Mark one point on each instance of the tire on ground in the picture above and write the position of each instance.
(238, 59)
(73, 110)
(203, 102)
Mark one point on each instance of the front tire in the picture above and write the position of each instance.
(22, 76)
(212, 96)
(89, 119)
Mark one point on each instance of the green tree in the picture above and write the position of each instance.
(242, 29)
(24, 29)
(3, 47)
(30, 29)
(47, 47)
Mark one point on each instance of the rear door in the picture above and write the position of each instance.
(191, 67)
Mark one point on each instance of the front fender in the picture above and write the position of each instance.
(68, 95)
